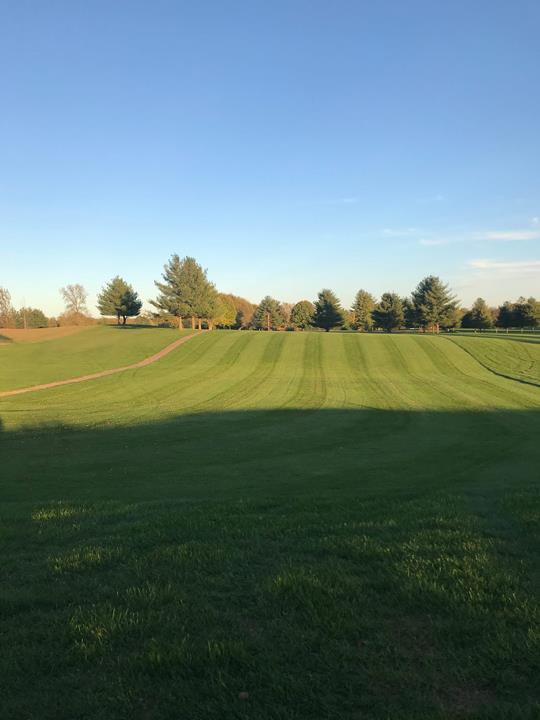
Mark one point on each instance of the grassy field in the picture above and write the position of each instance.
(29, 361)
(273, 526)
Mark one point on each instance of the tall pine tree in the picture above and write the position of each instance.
(185, 291)
(433, 303)
(362, 310)
(388, 314)
(328, 311)
(268, 314)
(479, 316)
(118, 298)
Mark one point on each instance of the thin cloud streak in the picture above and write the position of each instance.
(510, 235)
(510, 266)
(488, 236)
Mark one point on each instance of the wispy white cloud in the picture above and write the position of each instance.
(535, 220)
(506, 266)
(494, 236)
(509, 235)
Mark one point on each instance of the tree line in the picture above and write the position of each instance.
(185, 295)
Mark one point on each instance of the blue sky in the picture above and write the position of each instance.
(288, 145)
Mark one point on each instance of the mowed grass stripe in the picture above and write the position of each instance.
(311, 389)
(462, 381)
(510, 359)
(238, 386)
(222, 370)
(184, 376)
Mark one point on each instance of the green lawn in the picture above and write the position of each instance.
(97, 348)
(517, 358)
(338, 525)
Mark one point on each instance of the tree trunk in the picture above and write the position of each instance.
(124, 319)
(118, 318)
(199, 323)
(180, 324)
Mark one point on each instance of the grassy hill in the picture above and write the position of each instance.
(518, 358)
(95, 348)
(338, 525)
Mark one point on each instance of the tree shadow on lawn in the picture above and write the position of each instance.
(339, 564)
(253, 453)
(135, 326)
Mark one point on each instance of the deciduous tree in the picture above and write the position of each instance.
(74, 298)
(225, 312)
(7, 313)
(244, 310)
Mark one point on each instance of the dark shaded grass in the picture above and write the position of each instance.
(331, 564)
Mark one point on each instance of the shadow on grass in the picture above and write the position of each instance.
(135, 326)
(5, 339)
(265, 452)
(338, 564)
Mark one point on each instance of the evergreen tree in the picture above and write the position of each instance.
(207, 305)
(433, 303)
(506, 315)
(388, 313)
(480, 316)
(131, 304)
(410, 314)
(328, 311)
(118, 298)
(527, 313)
(185, 290)
(302, 314)
(362, 309)
(268, 314)
(28, 317)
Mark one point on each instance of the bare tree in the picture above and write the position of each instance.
(75, 298)
(6, 309)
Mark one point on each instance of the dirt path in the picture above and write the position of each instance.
(104, 373)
